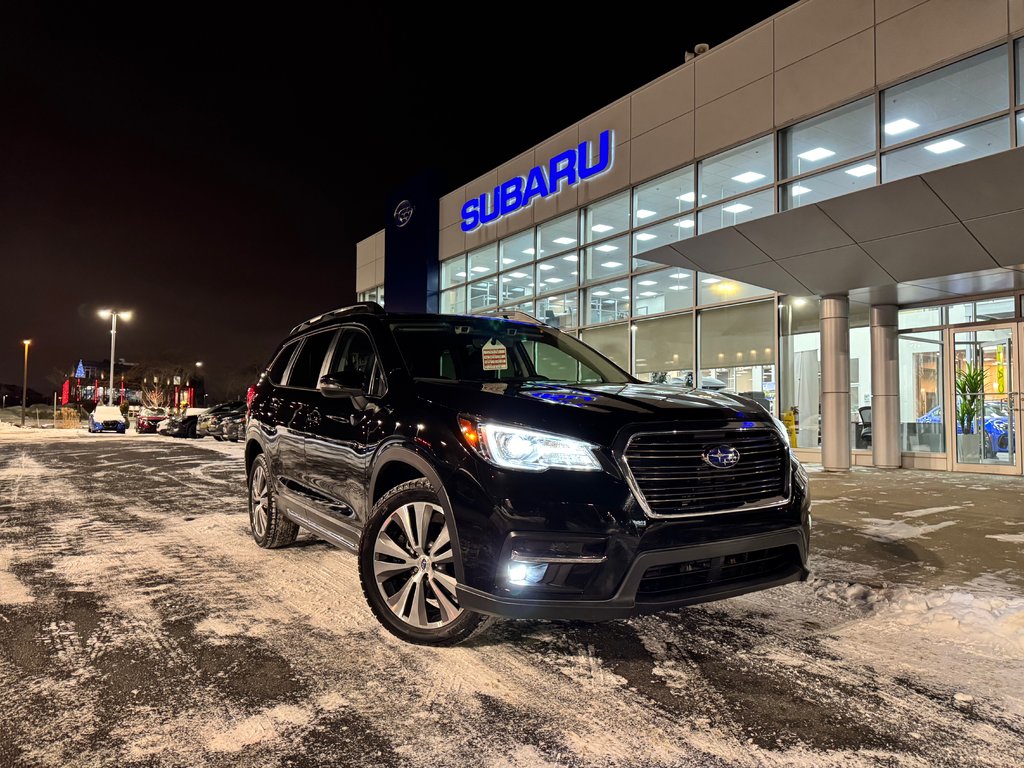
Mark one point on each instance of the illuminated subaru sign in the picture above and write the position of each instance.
(566, 169)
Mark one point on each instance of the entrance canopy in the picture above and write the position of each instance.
(953, 232)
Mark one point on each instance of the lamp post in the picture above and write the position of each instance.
(24, 383)
(113, 314)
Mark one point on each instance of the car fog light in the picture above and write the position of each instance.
(523, 574)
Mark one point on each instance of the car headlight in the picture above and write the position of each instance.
(518, 448)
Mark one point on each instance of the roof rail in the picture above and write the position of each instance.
(514, 315)
(371, 307)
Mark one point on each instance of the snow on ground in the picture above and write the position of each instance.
(147, 629)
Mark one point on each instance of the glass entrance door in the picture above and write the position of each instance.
(984, 399)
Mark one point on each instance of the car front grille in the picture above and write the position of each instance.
(670, 476)
(666, 582)
(111, 424)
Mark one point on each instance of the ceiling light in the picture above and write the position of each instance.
(648, 294)
(685, 224)
(612, 264)
(480, 269)
(816, 154)
(902, 125)
(460, 274)
(799, 189)
(711, 280)
(553, 280)
(643, 213)
(736, 208)
(687, 197)
(617, 289)
(946, 145)
(861, 170)
(600, 293)
(570, 257)
(507, 260)
(546, 267)
(748, 177)
(680, 275)
(645, 236)
(600, 228)
(607, 248)
(518, 275)
(647, 282)
(678, 287)
(564, 240)
(799, 302)
(529, 251)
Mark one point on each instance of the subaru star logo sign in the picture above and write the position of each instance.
(403, 212)
(722, 457)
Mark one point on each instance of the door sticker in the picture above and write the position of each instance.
(494, 356)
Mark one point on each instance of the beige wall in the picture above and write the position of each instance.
(814, 55)
(370, 262)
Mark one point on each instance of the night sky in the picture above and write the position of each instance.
(212, 171)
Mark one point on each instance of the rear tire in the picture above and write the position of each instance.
(270, 528)
(406, 567)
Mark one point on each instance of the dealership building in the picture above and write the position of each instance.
(824, 213)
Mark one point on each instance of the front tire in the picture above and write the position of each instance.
(407, 568)
(270, 528)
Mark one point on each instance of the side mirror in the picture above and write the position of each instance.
(343, 384)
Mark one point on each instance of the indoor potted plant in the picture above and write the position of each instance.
(970, 385)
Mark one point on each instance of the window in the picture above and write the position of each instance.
(800, 374)
(606, 218)
(737, 350)
(956, 94)
(712, 289)
(558, 235)
(605, 260)
(663, 350)
(453, 301)
(737, 211)
(516, 285)
(559, 311)
(611, 341)
(558, 274)
(839, 181)
(649, 238)
(523, 306)
(518, 249)
(670, 195)
(483, 294)
(558, 365)
(1017, 49)
(737, 171)
(305, 372)
(607, 302)
(664, 290)
(922, 317)
(940, 152)
(280, 364)
(922, 413)
(483, 261)
(846, 132)
(354, 352)
(453, 272)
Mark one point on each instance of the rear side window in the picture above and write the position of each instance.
(280, 364)
(305, 371)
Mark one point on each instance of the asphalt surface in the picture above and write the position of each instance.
(141, 626)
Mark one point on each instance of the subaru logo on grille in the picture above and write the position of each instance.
(722, 457)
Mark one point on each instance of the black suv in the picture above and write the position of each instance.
(485, 466)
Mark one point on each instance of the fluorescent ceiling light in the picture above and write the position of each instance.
(553, 280)
(647, 282)
(518, 275)
(607, 248)
(564, 240)
(711, 280)
(678, 287)
(600, 228)
(799, 189)
(687, 197)
(648, 294)
(685, 224)
(574, 273)
(816, 154)
(507, 260)
(617, 289)
(570, 257)
(946, 145)
(644, 236)
(736, 208)
(600, 293)
(546, 267)
(480, 269)
(643, 213)
(902, 125)
(460, 274)
(679, 276)
(529, 251)
(748, 177)
(612, 264)
(861, 170)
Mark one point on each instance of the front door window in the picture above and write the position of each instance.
(984, 397)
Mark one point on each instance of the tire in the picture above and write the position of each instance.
(416, 603)
(218, 438)
(190, 432)
(270, 528)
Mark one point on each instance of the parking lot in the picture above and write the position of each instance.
(140, 625)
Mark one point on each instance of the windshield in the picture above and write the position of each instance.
(485, 349)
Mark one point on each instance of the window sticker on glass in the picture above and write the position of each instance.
(494, 356)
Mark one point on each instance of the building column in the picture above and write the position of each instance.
(885, 388)
(835, 383)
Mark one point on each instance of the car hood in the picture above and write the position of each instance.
(594, 412)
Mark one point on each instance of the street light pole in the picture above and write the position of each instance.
(113, 315)
(24, 383)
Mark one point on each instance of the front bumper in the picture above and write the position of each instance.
(628, 600)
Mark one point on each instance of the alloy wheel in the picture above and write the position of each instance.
(259, 501)
(414, 566)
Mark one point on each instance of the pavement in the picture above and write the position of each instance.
(141, 626)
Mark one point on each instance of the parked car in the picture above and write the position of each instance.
(233, 427)
(482, 466)
(996, 424)
(182, 424)
(209, 422)
(107, 418)
(148, 420)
